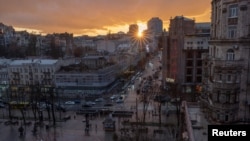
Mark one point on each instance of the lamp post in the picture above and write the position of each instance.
(59, 90)
(8, 97)
(52, 92)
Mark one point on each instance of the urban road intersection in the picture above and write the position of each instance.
(74, 127)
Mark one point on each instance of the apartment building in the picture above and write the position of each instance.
(226, 96)
(32, 71)
(155, 26)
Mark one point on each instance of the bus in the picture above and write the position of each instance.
(18, 105)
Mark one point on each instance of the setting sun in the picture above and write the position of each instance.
(139, 34)
(142, 27)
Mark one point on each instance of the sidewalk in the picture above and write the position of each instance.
(71, 130)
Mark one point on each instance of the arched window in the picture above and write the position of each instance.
(230, 54)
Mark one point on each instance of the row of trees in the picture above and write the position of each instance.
(29, 98)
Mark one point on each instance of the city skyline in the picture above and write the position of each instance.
(96, 17)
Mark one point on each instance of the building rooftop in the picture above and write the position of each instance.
(185, 18)
(93, 57)
(77, 68)
(29, 61)
(4, 62)
(203, 25)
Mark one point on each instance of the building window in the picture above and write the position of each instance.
(228, 98)
(198, 79)
(199, 71)
(199, 63)
(237, 78)
(230, 54)
(232, 30)
(189, 79)
(237, 96)
(220, 77)
(233, 11)
(232, 99)
(199, 54)
(226, 118)
(229, 78)
(189, 71)
(189, 55)
(218, 116)
(189, 63)
(218, 96)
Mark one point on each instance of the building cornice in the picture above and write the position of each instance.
(230, 41)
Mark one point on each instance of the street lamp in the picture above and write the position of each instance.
(59, 90)
(52, 92)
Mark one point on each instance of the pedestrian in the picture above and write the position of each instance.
(95, 127)
(74, 116)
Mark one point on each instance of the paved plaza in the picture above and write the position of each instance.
(73, 129)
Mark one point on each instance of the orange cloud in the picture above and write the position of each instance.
(96, 16)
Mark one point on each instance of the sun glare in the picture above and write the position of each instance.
(139, 34)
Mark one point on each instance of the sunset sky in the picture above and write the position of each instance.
(92, 17)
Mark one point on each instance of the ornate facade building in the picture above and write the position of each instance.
(226, 83)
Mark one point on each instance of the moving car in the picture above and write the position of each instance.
(113, 97)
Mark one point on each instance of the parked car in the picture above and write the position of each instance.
(10, 122)
(70, 102)
(108, 104)
(99, 100)
(67, 117)
(90, 103)
(77, 101)
(119, 101)
(86, 106)
(60, 108)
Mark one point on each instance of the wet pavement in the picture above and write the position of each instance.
(71, 130)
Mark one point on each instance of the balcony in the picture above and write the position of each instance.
(225, 106)
(16, 78)
(229, 86)
(228, 64)
(15, 73)
(232, 21)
